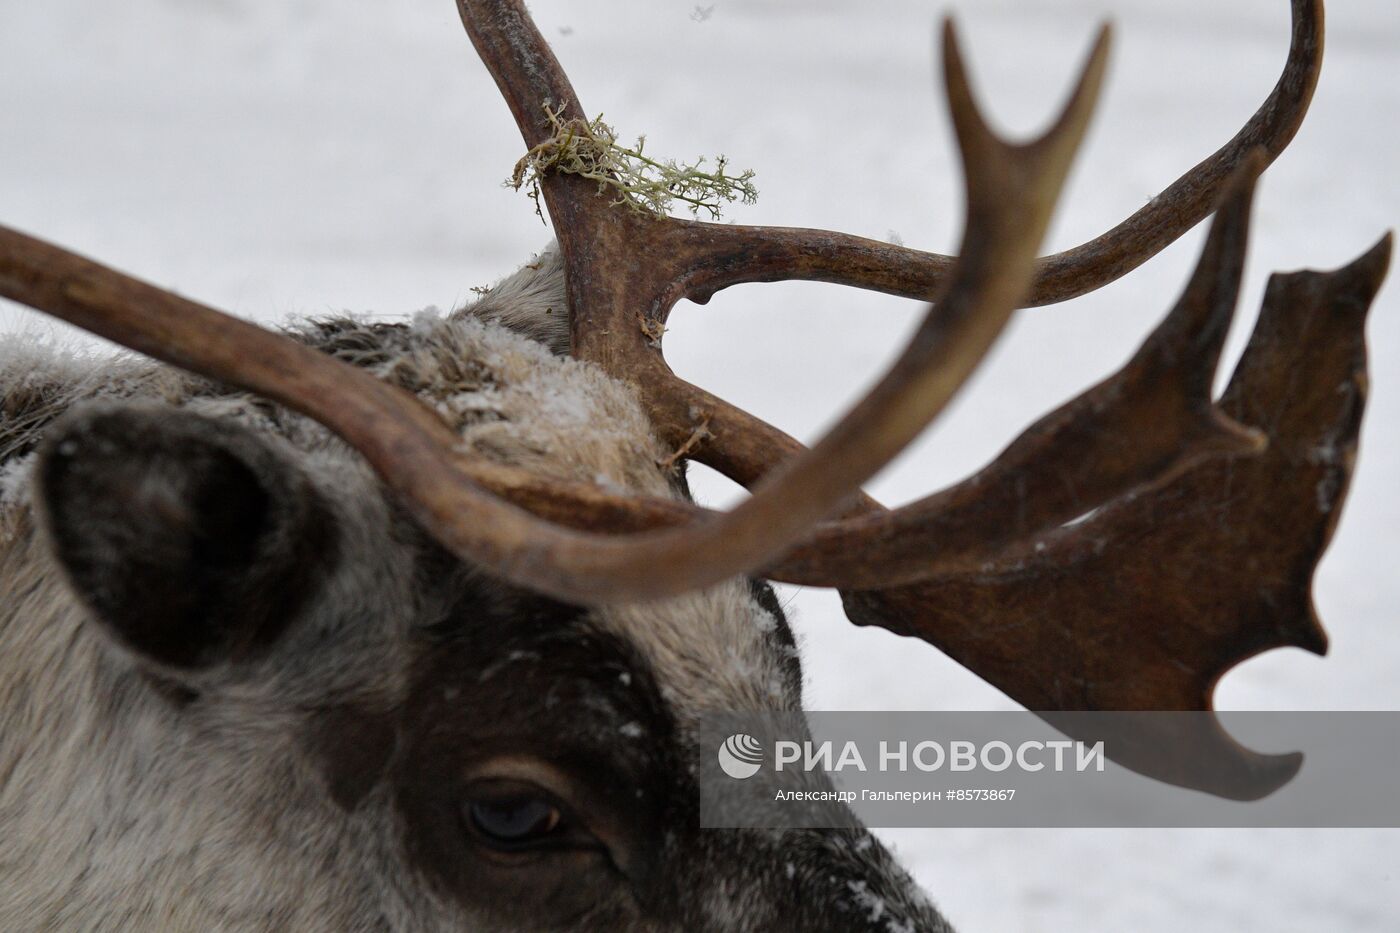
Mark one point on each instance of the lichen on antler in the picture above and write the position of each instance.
(589, 149)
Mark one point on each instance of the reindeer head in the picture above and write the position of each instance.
(435, 746)
(410, 626)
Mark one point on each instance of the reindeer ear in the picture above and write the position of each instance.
(192, 540)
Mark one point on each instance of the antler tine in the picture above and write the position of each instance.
(606, 291)
(1189, 199)
(521, 62)
(735, 254)
(1011, 191)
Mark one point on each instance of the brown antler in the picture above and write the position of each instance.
(1138, 437)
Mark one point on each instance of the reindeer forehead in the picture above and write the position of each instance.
(512, 400)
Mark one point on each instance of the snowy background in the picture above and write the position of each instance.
(280, 157)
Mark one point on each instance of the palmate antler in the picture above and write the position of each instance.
(1107, 613)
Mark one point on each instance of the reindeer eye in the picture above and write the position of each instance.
(514, 822)
(511, 818)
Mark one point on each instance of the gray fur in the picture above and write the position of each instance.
(276, 791)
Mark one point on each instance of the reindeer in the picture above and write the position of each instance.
(365, 626)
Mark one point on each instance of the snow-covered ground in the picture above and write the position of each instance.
(275, 157)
